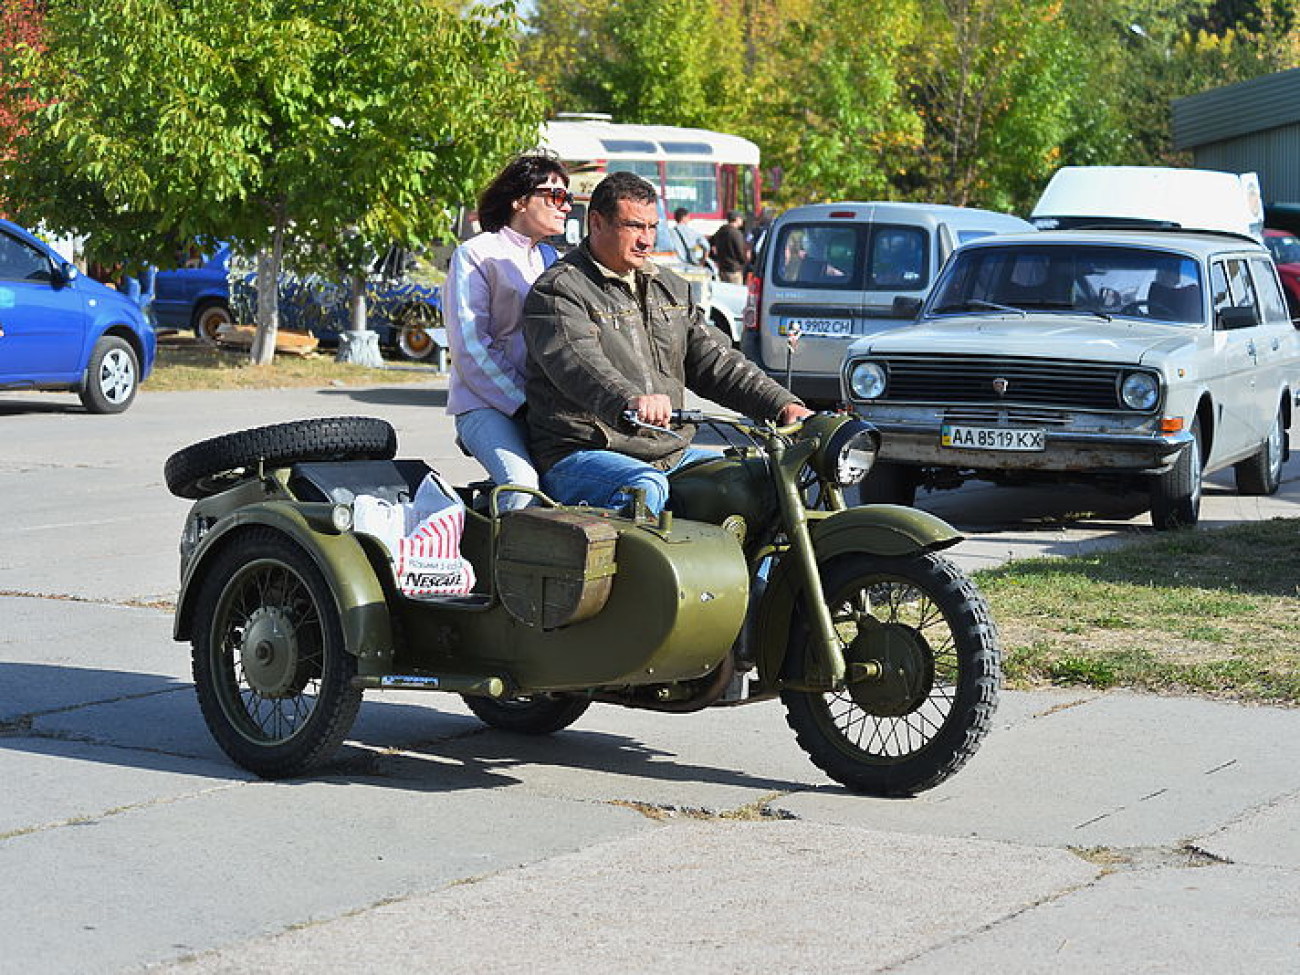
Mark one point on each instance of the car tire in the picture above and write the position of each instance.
(210, 466)
(1176, 494)
(888, 483)
(112, 376)
(414, 341)
(210, 320)
(1261, 474)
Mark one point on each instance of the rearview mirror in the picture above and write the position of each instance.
(64, 274)
(905, 306)
(1237, 316)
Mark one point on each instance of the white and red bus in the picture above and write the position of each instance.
(707, 172)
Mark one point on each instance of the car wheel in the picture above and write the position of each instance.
(888, 483)
(112, 376)
(1261, 474)
(1176, 494)
(415, 339)
(210, 466)
(209, 320)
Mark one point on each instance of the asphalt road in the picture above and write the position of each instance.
(1092, 832)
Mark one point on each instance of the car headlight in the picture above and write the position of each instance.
(867, 380)
(1140, 391)
(850, 452)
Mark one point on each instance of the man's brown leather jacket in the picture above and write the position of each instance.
(592, 350)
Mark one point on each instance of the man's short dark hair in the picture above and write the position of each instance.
(522, 175)
(732, 215)
(680, 214)
(620, 186)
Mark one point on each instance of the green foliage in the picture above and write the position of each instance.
(166, 120)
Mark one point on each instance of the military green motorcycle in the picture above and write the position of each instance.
(758, 583)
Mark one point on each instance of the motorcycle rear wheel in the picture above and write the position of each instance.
(541, 714)
(926, 628)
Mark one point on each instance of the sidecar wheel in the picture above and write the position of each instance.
(924, 671)
(273, 678)
(540, 714)
(210, 466)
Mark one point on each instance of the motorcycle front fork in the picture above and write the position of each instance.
(826, 642)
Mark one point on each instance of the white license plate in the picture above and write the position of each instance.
(821, 327)
(993, 438)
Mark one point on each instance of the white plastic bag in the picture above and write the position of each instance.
(423, 538)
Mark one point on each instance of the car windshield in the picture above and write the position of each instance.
(1285, 248)
(1111, 282)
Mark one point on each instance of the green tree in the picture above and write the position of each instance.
(339, 128)
(834, 113)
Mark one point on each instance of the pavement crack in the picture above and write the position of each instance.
(1117, 859)
(759, 810)
(160, 603)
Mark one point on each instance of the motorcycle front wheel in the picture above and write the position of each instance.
(924, 669)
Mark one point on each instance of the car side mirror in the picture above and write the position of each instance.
(905, 306)
(1237, 316)
(64, 274)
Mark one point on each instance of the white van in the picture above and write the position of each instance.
(830, 273)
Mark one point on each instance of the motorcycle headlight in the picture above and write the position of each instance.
(1140, 391)
(866, 380)
(849, 452)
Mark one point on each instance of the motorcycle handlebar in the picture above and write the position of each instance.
(680, 417)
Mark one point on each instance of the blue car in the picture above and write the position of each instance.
(60, 330)
(196, 296)
(406, 316)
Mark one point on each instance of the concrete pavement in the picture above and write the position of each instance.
(1092, 832)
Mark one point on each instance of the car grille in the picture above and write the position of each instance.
(951, 380)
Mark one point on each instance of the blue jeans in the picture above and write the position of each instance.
(500, 444)
(598, 477)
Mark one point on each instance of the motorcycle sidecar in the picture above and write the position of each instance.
(291, 613)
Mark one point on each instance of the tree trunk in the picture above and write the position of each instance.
(268, 300)
(358, 345)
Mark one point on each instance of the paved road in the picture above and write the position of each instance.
(1091, 833)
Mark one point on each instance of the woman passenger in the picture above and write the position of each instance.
(488, 278)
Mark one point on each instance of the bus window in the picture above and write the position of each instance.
(693, 185)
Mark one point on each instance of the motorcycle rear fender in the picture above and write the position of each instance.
(881, 530)
(348, 571)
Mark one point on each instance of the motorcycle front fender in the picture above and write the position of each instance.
(348, 571)
(880, 530)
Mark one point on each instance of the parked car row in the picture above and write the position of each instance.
(61, 330)
(1145, 355)
(405, 315)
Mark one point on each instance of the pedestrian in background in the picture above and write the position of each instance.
(730, 252)
(689, 244)
(487, 280)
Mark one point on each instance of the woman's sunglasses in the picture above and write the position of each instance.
(558, 195)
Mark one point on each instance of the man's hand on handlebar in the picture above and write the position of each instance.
(655, 410)
(792, 413)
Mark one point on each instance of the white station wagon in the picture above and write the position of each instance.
(1142, 358)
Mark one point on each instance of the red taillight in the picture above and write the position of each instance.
(753, 303)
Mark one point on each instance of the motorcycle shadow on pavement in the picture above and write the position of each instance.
(480, 756)
(151, 722)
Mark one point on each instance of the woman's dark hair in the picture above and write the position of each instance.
(621, 185)
(522, 175)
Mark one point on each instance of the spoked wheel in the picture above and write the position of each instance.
(924, 668)
(273, 678)
(540, 714)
